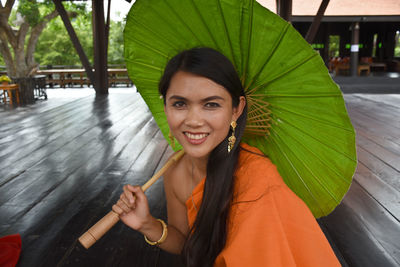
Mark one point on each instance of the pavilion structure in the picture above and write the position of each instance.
(367, 31)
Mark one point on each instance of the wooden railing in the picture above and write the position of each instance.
(72, 77)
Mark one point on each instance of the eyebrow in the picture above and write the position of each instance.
(210, 98)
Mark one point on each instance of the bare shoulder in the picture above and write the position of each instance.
(175, 179)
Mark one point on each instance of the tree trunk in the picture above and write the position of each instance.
(26, 86)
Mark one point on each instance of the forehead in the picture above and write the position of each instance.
(190, 85)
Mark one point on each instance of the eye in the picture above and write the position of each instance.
(212, 105)
(179, 104)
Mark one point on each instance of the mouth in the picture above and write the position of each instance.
(195, 138)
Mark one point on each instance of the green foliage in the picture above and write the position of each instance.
(30, 10)
(334, 42)
(55, 47)
(116, 43)
(397, 45)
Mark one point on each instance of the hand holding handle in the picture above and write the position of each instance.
(107, 222)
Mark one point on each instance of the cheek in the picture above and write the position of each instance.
(174, 119)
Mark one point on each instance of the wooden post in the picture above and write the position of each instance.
(389, 43)
(108, 25)
(325, 54)
(284, 9)
(312, 31)
(75, 41)
(354, 48)
(99, 45)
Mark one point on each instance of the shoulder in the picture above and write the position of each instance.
(175, 179)
(255, 174)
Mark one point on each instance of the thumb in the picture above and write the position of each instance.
(137, 190)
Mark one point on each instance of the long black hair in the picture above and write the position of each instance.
(208, 235)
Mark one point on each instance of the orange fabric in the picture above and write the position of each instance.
(268, 225)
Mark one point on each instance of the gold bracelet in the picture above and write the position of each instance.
(163, 236)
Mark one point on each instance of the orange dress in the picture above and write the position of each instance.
(268, 224)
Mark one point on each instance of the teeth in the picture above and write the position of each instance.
(196, 136)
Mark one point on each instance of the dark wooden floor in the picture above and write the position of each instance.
(63, 163)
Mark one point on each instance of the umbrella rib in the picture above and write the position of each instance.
(310, 151)
(295, 169)
(204, 23)
(151, 48)
(248, 37)
(183, 22)
(226, 31)
(299, 95)
(312, 118)
(312, 173)
(178, 17)
(280, 75)
(148, 65)
(154, 33)
(327, 145)
(272, 52)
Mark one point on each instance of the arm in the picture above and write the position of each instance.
(134, 212)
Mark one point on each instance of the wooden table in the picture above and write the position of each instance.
(9, 88)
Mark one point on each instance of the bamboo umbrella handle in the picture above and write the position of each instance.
(107, 222)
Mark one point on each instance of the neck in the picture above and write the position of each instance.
(199, 168)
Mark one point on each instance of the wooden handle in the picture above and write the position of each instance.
(107, 222)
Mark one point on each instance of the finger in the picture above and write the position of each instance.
(117, 209)
(126, 201)
(124, 207)
(137, 190)
(129, 193)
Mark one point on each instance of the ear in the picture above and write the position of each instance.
(237, 111)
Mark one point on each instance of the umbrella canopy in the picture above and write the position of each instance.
(296, 113)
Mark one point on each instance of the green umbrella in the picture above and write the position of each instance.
(296, 114)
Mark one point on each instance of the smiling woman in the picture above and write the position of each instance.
(227, 205)
(199, 112)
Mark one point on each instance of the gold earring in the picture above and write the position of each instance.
(232, 138)
(172, 139)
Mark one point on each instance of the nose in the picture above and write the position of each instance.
(194, 118)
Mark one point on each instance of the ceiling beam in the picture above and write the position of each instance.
(74, 38)
(284, 9)
(312, 31)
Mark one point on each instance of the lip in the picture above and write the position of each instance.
(197, 140)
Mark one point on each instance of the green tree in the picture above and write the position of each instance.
(55, 46)
(116, 43)
(19, 33)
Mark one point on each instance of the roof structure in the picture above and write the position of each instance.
(341, 7)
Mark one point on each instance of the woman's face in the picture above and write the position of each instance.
(199, 112)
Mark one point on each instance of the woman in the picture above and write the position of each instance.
(242, 213)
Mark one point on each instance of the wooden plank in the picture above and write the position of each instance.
(390, 158)
(65, 160)
(374, 127)
(86, 194)
(94, 189)
(375, 110)
(383, 193)
(381, 99)
(365, 232)
(60, 138)
(28, 113)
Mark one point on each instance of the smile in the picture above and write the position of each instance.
(196, 139)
